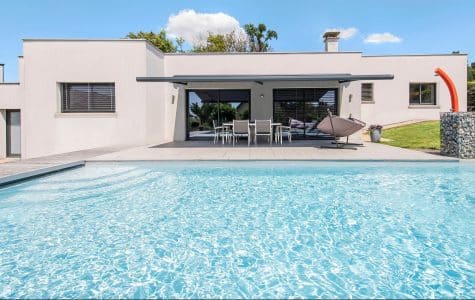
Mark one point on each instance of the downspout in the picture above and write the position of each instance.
(451, 86)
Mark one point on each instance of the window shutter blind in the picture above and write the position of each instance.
(88, 97)
(308, 105)
(367, 92)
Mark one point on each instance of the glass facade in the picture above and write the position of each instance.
(220, 106)
(304, 108)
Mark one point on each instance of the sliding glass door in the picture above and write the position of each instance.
(305, 108)
(221, 106)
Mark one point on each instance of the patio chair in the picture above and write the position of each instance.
(263, 128)
(241, 128)
(284, 129)
(340, 127)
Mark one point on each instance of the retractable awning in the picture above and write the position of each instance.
(184, 79)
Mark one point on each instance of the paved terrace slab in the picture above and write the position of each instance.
(22, 169)
(299, 150)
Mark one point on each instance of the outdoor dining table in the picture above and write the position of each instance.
(252, 125)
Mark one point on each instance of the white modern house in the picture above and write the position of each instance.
(80, 94)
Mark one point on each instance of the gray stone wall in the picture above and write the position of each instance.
(457, 134)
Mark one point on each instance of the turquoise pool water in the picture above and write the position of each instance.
(232, 230)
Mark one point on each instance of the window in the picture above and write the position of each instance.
(367, 92)
(87, 97)
(220, 106)
(308, 106)
(422, 94)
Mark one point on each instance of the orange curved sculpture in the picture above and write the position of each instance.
(453, 91)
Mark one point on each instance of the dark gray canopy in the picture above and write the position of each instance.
(184, 79)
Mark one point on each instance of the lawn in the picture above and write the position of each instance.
(424, 135)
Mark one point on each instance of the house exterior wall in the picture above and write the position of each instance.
(11, 97)
(391, 97)
(156, 99)
(49, 63)
(258, 64)
(261, 108)
(153, 113)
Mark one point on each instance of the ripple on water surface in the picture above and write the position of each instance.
(261, 230)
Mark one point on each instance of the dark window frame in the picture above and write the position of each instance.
(65, 93)
(420, 84)
(187, 103)
(363, 100)
(336, 110)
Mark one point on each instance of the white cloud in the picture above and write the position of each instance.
(345, 33)
(194, 27)
(378, 38)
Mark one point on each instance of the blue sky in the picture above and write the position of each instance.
(422, 26)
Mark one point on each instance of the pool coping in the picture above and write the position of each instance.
(454, 160)
(9, 179)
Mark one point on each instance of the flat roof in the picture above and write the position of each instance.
(183, 79)
(422, 54)
(263, 53)
(227, 53)
(78, 40)
(90, 40)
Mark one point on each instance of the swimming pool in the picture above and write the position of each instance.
(241, 229)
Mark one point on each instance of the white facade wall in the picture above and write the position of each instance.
(391, 98)
(260, 64)
(11, 97)
(49, 63)
(152, 113)
(156, 105)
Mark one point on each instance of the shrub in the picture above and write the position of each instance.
(471, 96)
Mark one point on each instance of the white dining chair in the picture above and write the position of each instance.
(283, 131)
(263, 128)
(241, 128)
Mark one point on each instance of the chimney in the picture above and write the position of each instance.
(331, 41)
(1, 73)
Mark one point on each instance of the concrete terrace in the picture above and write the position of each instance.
(298, 150)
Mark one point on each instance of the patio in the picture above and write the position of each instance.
(297, 150)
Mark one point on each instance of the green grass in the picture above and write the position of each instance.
(424, 135)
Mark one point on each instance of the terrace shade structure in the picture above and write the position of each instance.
(260, 79)
(304, 97)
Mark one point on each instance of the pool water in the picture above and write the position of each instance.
(241, 230)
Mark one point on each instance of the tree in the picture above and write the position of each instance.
(159, 40)
(179, 44)
(471, 96)
(259, 37)
(230, 42)
(469, 74)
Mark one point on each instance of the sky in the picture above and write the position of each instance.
(370, 26)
